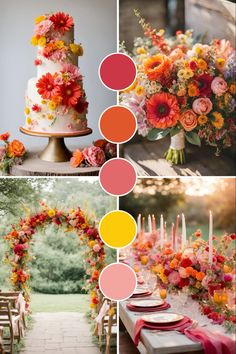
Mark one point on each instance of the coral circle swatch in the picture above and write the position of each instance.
(117, 177)
(117, 71)
(117, 229)
(117, 124)
(117, 281)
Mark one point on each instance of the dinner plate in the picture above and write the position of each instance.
(147, 303)
(122, 258)
(162, 317)
(140, 291)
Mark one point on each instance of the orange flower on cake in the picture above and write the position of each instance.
(157, 67)
(188, 120)
(162, 110)
(15, 149)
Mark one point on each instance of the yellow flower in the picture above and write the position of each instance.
(139, 90)
(43, 102)
(51, 213)
(59, 44)
(91, 244)
(131, 87)
(220, 63)
(14, 278)
(111, 311)
(136, 268)
(227, 269)
(50, 117)
(188, 73)
(27, 110)
(52, 105)
(39, 19)
(218, 121)
(202, 64)
(202, 119)
(193, 90)
(155, 269)
(34, 41)
(227, 98)
(76, 49)
(42, 41)
(198, 51)
(28, 120)
(92, 305)
(232, 89)
(141, 50)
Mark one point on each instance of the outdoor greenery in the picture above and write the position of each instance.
(57, 265)
(194, 197)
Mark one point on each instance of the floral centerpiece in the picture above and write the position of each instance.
(184, 88)
(189, 269)
(11, 152)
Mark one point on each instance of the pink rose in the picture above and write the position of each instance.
(202, 106)
(43, 27)
(174, 278)
(219, 86)
(96, 248)
(94, 156)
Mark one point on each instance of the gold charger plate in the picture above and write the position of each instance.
(162, 317)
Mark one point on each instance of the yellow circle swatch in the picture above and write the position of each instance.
(117, 229)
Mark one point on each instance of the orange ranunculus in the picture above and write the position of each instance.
(157, 67)
(194, 273)
(174, 263)
(200, 276)
(15, 149)
(168, 251)
(101, 143)
(189, 271)
(4, 137)
(95, 274)
(77, 158)
(188, 119)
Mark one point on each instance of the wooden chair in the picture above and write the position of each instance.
(17, 306)
(111, 327)
(10, 321)
(2, 351)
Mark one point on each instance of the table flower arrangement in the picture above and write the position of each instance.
(11, 153)
(184, 88)
(95, 155)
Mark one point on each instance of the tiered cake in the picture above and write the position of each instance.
(55, 100)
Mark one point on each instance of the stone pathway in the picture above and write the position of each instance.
(61, 332)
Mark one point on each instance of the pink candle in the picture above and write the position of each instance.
(173, 235)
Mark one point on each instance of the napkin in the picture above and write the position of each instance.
(162, 307)
(140, 324)
(212, 342)
(148, 293)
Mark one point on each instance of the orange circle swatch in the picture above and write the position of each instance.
(117, 124)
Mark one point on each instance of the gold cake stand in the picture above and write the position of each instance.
(56, 150)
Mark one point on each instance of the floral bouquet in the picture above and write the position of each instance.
(183, 88)
(10, 152)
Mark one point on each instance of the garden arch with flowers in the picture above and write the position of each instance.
(21, 236)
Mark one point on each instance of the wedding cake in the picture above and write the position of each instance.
(55, 99)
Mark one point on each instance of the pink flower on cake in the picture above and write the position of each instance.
(94, 156)
(71, 72)
(62, 22)
(71, 94)
(47, 87)
(43, 28)
(219, 86)
(202, 105)
(58, 55)
(188, 119)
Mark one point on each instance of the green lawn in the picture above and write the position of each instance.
(59, 303)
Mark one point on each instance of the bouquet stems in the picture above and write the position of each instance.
(176, 152)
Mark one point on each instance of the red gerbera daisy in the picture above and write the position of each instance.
(162, 110)
(71, 94)
(204, 84)
(62, 22)
(47, 87)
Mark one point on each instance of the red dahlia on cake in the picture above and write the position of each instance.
(61, 22)
(47, 87)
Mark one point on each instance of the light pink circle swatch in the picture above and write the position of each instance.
(117, 71)
(117, 177)
(117, 281)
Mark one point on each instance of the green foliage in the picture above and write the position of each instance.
(157, 134)
(193, 138)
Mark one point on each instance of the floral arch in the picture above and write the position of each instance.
(21, 236)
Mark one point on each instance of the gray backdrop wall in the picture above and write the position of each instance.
(95, 28)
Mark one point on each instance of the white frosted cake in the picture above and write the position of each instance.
(55, 99)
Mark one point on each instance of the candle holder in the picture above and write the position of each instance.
(56, 150)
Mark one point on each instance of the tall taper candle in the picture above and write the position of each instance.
(210, 237)
(173, 236)
(184, 238)
(153, 224)
(139, 224)
(149, 224)
(177, 233)
(162, 232)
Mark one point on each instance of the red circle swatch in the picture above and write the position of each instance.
(117, 281)
(117, 176)
(117, 124)
(117, 71)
